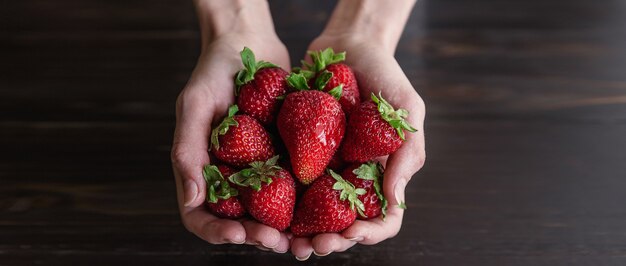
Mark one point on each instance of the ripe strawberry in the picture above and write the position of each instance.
(269, 193)
(260, 86)
(311, 124)
(374, 129)
(368, 176)
(332, 76)
(221, 198)
(328, 206)
(240, 140)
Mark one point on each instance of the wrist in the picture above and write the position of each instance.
(220, 17)
(374, 21)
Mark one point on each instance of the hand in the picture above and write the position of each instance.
(203, 102)
(376, 70)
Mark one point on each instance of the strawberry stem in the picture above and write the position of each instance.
(395, 118)
(258, 173)
(222, 128)
(217, 186)
(349, 192)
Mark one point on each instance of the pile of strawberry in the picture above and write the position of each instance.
(324, 130)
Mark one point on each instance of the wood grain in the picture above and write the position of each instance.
(526, 133)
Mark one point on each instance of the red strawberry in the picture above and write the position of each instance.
(311, 124)
(368, 176)
(269, 193)
(328, 206)
(221, 198)
(374, 129)
(260, 86)
(335, 78)
(240, 140)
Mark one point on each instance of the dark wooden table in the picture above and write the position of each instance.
(526, 133)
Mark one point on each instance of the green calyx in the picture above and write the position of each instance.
(298, 81)
(374, 171)
(349, 192)
(396, 118)
(217, 186)
(222, 128)
(323, 58)
(258, 173)
(251, 66)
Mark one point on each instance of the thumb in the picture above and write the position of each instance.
(190, 149)
(190, 183)
(401, 166)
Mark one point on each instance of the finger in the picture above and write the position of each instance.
(402, 165)
(373, 231)
(301, 248)
(189, 150)
(324, 244)
(213, 229)
(407, 160)
(260, 234)
(283, 244)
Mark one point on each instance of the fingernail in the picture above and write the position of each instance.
(191, 191)
(303, 259)
(238, 242)
(262, 248)
(399, 191)
(279, 251)
(356, 239)
(321, 255)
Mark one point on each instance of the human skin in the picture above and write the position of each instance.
(350, 29)
(226, 27)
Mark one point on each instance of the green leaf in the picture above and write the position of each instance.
(298, 81)
(373, 171)
(395, 118)
(306, 64)
(321, 59)
(367, 171)
(263, 64)
(223, 127)
(322, 79)
(251, 66)
(212, 198)
(336, 92)
(258, 173)
(348, 192)
(217, 186)
(273, 160)
(232, 110)
(402, 205)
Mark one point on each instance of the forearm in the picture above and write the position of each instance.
(219, 17)
(377, 21)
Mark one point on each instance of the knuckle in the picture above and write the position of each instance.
(394, 233)
(421, 160)
(177, 155)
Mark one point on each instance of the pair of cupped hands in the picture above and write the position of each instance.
(205, 100)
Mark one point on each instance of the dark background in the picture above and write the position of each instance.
(526, 132)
